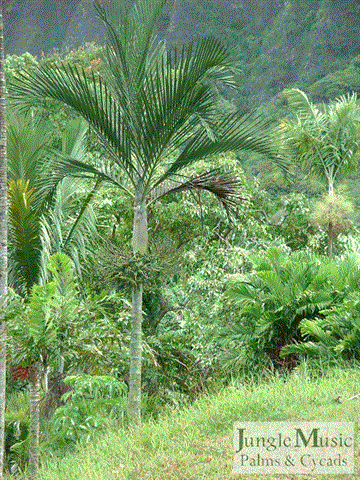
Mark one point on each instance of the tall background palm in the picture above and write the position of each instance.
(3, 241)
(325, 141)
(155, 114)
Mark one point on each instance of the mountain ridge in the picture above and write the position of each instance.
(275, 42)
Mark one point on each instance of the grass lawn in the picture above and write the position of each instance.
(196, 443)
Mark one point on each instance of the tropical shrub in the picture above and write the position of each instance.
(91, 399)
(276, 299)
(16, 439)
(334, 335)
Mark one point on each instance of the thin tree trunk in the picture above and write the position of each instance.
(330, 177)
(135, 358)
(34, 428)
(331, 195)
(139, 243)
(330, 234)
(2, 394)
(3, 244)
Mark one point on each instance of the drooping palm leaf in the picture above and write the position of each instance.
(71, 167)
(226, 188)
(87, 95)
(235, 131)
(300, 103)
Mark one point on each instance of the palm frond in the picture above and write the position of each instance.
(226, 188)
(178, 96)
(300, 103)
(70, 167)
(235, 132)
(87, 95)
(66, 227)
(73, 138)
(131, 37)
(74, 230)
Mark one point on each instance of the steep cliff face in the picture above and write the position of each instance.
(277, 42)
(83, 27)
(36, 25)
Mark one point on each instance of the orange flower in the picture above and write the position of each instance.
(96, 61)
(88, 68)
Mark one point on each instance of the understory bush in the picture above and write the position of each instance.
(284, 299)
(88, 406)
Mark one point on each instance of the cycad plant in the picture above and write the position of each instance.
(273, 300)
(334, 334)
(38, 228)
(155, 114)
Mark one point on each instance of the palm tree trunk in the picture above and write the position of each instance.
(330, 178)
(139, 243)
(135, 358)
(3, 244)
(331, 195)
(34, 428)
(330, 235)
(2, 394)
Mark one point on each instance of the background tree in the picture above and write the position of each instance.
(155, 116)
(323, 139)
(3, 241)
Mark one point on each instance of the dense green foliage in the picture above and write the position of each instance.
(227, 292)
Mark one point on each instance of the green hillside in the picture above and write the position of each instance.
(183, 250)
(310, 43)
(196, 442)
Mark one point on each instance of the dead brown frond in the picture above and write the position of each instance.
(225, 187)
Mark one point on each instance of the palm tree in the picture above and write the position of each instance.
(155, 114)
(324, 139)
(3, 243)
(38, 229)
